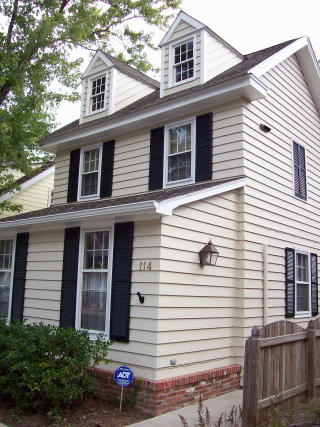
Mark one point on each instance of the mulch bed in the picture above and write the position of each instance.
(93, 413)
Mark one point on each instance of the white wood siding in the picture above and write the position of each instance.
(219, 57)
(197, 305)
(182, 29)
(131, 161)
(129, 90)
(43, 277)
(33, 197)
(272, 215)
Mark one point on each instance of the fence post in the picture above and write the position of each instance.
(251, 380)
(311, 359)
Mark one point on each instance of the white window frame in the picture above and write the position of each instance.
(92, 196)
(296, 140)
(300, 314)
(191, 180)
(172, 82)
(13, 238)
(94, 334)
(93, 77)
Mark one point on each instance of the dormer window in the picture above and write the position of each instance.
(183, 62)
(98, 93)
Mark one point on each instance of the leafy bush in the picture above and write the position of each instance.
(47, 367)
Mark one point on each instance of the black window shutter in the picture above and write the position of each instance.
(69, 277)
(204, 147)
(73, 175)
(156, 158)
(314, 284)
(19, 276)
(107, 169)
(300, 180)
(121, 282)
(290, 282)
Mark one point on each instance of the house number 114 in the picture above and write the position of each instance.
(144, 266)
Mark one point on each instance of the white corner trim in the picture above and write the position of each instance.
(103, 58)
(280, 56)
(28, 183)
(182, 16)
(167, 206)
(162, 73)
(204, 57)
(82, 113)
(112, 94)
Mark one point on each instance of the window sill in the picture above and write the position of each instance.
(183, 81)
(179, 183)
(85, 198)
(302, 315)
(96, 112)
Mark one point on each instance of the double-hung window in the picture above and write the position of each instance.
(98, 94)
(90, 167)
(180, 153)
(299, 173)
(303, 286)
(183, 62)
(95, 281)
(6, 266)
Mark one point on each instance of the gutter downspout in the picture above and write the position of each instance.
(265, 285)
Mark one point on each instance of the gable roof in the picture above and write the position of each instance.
(183, 16)
(121, 66)
(153, 99)
(26, 180)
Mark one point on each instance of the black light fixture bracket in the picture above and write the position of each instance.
(141, 298)
(265, 128)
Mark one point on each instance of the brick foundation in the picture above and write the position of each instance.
(158, 397)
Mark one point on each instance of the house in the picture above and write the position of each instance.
(225, 148)
(36, 189)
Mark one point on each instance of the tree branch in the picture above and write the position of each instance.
(12, 22)
(5, 89)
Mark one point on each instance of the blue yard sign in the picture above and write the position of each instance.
(123, 376)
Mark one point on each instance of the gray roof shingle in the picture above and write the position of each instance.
(153, 99)
(156, 196)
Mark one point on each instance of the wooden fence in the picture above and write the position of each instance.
(282, 365)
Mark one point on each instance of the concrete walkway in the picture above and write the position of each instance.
(216, 407)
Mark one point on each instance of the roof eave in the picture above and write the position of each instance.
(246, 86)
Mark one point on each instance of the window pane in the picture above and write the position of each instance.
(302, 297)
(5, 279)
(94, 297)
(179, 167)
(89, 184)
(302, 268)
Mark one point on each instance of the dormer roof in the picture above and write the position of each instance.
(182, 16)
(110, 61)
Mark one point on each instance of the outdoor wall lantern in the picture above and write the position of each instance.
(208, 254)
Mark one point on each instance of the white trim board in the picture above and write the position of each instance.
(149, 208)
(28, 183)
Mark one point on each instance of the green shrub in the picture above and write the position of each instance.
(46, 367)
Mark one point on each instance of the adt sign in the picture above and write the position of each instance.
(123, 376)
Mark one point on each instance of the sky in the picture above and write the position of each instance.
(248, 25)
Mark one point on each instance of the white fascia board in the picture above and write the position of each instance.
(167, 206)
(142, 208)
(182, 16)
(28, 183)
(102, 56)
(248, 87)
(278, 57)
